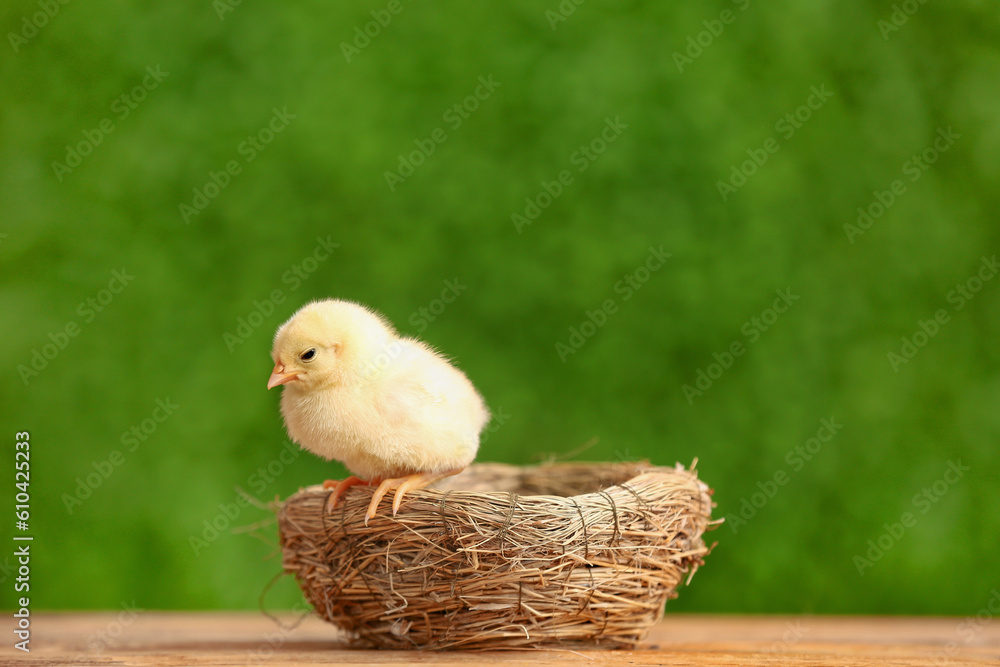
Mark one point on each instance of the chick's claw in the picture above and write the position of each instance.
(340, 487)
(402, 485)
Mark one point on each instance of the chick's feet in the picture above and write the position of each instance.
(340, 487)
(402, 485)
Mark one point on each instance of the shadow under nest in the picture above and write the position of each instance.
(572, 555)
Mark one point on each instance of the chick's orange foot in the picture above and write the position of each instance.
(340, 487)
(402, 485)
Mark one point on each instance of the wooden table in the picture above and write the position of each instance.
(158, 638)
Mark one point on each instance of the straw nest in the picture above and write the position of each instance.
(571, 555)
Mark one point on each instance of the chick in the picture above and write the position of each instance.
(390, 408)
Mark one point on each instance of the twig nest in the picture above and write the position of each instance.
(570, 555)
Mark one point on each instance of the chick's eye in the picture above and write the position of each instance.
(308, 355)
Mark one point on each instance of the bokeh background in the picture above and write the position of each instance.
(693, 92)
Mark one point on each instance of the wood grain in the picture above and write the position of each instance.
(159, 638)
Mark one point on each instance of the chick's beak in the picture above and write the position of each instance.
(279, 376)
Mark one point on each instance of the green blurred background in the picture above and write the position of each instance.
(141, 534)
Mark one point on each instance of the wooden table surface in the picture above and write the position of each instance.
(159, 638)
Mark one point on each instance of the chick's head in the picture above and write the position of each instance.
(326, 342)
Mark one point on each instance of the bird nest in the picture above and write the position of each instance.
(500, 556)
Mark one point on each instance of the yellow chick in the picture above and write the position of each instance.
(390, 408)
